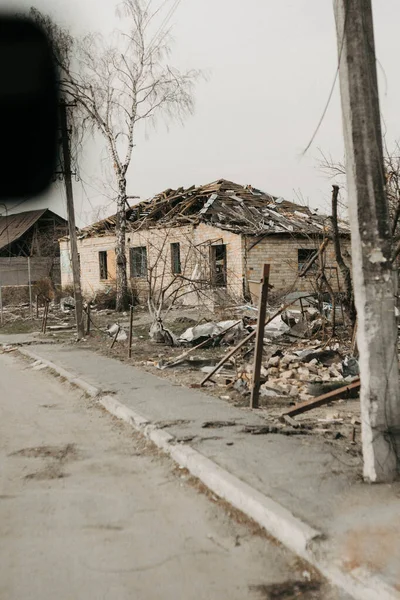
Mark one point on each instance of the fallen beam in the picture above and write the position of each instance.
(321, 400)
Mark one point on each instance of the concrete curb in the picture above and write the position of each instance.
(299, 537)
(89, 389)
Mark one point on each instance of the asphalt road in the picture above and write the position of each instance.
(91, 511)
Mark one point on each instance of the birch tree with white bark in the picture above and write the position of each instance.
(119, 84)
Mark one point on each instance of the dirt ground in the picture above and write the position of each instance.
(338, 423)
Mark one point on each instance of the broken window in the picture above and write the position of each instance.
(138, 261)
(176, 258)
(304, 255)
(103, 264)
(218, 265)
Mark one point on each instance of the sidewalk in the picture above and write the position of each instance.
(320, 508)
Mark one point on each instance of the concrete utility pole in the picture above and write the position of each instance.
(80, 328)
(371, 241)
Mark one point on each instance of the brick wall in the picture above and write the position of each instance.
(88, 250)
(281, 252)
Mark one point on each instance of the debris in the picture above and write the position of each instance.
(211, 331)
(263, 430)
(65, 327)
(67, 304)
(324, 399)
(291, 421)
(317, 389)
(180, 358)
(350, 367)
(218, 424)
(242, 343)
(325, 357)
(274, 361)
(117, 332)
(160, 335)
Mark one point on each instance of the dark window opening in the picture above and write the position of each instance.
(218, 265)
(138, 261)
(103, 264)
(304, 255)
(176, 258)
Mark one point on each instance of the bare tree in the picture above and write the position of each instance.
(121, 84)
(336, 171)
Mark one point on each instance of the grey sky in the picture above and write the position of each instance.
(271, 65)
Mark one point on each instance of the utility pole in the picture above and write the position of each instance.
(371, 241)
(71, 221)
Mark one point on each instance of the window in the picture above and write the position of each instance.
(176, 258)
(304, 255)
(218, 265)
(103, 264)
(138, 261)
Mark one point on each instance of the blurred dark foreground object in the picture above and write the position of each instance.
(28, 109)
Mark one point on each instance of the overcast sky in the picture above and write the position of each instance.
(271, 64)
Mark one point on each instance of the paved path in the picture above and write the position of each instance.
(90, 511)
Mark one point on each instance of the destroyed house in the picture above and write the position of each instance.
(217, 236)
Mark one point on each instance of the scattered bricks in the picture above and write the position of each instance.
(304, 374)
(312, 368)
(334, 372)
(273, 371)
(326, 377)
(293, 391)
(274, 361)
(288, 375)
(295, 365)
(285, 388)
(314, 361)
(289, 358)
(305, 397)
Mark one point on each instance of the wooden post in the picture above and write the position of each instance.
(130, 332)
(88, 319)
(45, 315)
(1, 305)
(80, 328)
(262, 309)
(37, 306)
(30, 288)
(371, 241)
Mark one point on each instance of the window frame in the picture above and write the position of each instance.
(142, 271)
(219, 279)
(103, 265)
(301, 263)
(176, 264)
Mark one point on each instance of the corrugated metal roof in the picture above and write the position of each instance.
(12, 227)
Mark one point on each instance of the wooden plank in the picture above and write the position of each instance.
(115, 337)
(262, 309)
(321, 400)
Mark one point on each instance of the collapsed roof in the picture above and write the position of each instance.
(223, 204)
(14, 226)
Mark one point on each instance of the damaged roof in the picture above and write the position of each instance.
(12, 227)
(223, 204)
